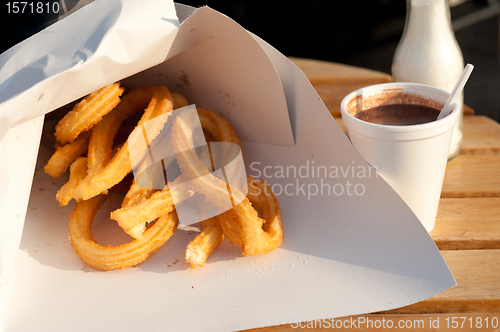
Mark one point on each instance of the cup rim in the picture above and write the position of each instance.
(414, 87)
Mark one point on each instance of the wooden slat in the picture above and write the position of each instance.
(477, 273)
(399, 323)
(468, 110)
(334, 81)
(467, 223)
(481, 135)
(325, 72)
(332, 94)
(477, 293)
(472, 176)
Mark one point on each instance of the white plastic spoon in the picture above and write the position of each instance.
(452, 99)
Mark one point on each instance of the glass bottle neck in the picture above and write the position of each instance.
(428, 17)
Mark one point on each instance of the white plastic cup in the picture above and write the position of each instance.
(411, 159)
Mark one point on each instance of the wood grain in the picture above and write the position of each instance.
(478, 285)
(325, 72)
(332, 94)
(467, 223)
(334, 81)
(477, 293)
(399, 323)
(472, 176)
(481, 135)
(477, 172)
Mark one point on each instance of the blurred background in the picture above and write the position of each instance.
(363, 33)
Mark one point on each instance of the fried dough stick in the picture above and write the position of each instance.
(214, 189)
(100, 142)
(204, 243)
(115, 257)
(103, 177)
(65, 155)
(133, 218)
(243, 226)
(88, 112)
(77, 172)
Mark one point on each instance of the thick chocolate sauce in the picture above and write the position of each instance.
(399, 115)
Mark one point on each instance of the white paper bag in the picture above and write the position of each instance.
(351, 245)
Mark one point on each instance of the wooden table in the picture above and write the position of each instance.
(467, 230)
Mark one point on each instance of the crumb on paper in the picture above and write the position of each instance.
(185, 80)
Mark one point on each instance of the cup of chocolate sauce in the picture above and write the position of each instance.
(394, 128)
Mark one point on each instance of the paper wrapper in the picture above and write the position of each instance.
(351, 245)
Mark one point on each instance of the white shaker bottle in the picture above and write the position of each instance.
(428, 53)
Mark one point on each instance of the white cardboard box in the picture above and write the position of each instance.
(353, 250)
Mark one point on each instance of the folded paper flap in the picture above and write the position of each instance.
(225, 70)
(20, 148)
(100, 46)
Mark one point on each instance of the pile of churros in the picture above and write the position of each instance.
(97, 163)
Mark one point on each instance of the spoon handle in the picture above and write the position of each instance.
(450, 103)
